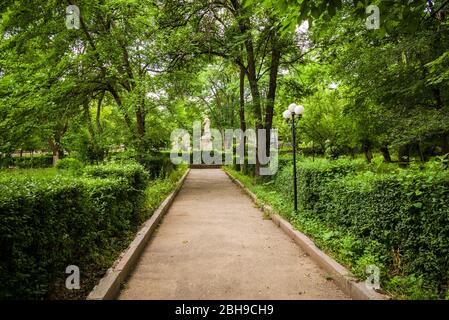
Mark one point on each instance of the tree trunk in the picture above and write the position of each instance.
(99, 155)
(242, 115)
(271, 95)
(255, 93)
(57, 150)
(58, 153)
(90, 126)
(245, 29)
(140, 118)
(386, 154)
(55, 142)
(422, 157)
(118, 100)
(404, 156)
(98, 119)
(444, 144)
(367, 151)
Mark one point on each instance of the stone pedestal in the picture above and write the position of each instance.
(206, 139)
(206, 144)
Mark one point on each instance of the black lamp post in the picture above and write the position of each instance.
(292, 111)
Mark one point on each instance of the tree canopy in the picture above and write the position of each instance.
(135, 70)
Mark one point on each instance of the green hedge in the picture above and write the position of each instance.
(69, 164)
(133, 173)
(283, 161)
(45, 161)
(47, 224)
(311, 176)
(405, 213)
(157, 165)
(408, 213)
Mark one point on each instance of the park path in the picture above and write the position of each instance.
(214, 244)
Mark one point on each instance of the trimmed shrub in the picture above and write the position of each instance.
(45, 161)
(157, 165)
(159, 188)
(69, 164)
(133, 173)
(250, 169)
(47, 224)
(285, 160)
(311, 176)
(406, 213)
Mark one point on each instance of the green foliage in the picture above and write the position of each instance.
(157, 165)
(138, 69)
(69, 164)
(395, 219)
(26, 162)
(48, 223)
(159, 188)
(311, 175)
(406, 212)
(133, 173)
(324, 120)
(247, 169)
(411, 287)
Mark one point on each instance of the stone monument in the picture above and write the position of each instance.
(206, 139)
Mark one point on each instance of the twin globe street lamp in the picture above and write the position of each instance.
(292, 111)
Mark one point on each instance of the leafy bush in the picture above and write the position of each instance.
(157, 165)
(365, 214)
(44, 161)
(69, 164)
(406, 213)
(285, 160)
(311, 175)
(159, 188)
(247, 169)
(48, 223)
(134, 173)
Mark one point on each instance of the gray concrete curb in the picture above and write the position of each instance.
(345, 280)
(108, 287)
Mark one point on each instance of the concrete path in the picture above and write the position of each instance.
(214, 244)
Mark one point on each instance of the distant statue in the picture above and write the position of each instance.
(206, 139)
(207, 132)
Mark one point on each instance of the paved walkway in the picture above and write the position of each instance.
(214, 244)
